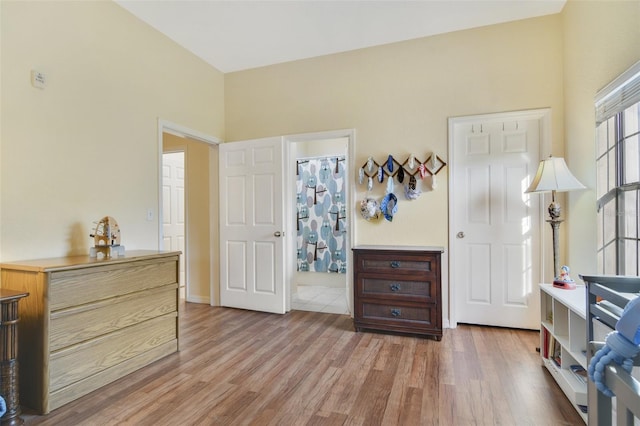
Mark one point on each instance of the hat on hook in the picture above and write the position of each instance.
(389, 206)
(411, 191)
(369, 209)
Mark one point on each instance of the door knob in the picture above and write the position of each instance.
(460, 234)
(278, 234)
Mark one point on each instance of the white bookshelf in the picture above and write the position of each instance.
(562, 317)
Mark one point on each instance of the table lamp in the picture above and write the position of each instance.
(553, 176)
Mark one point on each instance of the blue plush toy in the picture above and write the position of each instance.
(620, 346)
(3, 407)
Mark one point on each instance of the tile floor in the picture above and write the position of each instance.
(320, 299)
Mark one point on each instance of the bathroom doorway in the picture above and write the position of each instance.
(321, 236)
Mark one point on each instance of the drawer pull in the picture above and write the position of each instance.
(395, 312)
(395, 287)
(395, 264)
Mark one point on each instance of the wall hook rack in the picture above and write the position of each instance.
(432, 166)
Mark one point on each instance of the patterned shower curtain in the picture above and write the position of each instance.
(321, 217)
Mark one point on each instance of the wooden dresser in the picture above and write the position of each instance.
(398, 289)
(88, 321)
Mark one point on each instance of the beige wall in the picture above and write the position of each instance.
(87, 145)
(398, 98)
(602, 40)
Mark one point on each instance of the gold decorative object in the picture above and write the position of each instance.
(106, 237)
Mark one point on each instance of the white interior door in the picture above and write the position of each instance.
(173, 208)
(495, 263)
(252, 247)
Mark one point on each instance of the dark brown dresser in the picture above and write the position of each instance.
(398, 289)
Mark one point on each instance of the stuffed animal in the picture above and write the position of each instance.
(621, 346)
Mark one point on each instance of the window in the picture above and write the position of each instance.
(618, 174)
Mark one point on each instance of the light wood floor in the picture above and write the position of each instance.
(247, 368)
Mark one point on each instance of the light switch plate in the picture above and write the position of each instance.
(38, 79)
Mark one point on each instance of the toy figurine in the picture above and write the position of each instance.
(564, 280)
(106, 238)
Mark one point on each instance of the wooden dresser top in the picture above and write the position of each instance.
(71, 262)
(400, 248)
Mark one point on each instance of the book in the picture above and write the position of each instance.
(545, 343)
(556, 354)
(580, 373)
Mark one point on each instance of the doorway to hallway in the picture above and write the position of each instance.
(200, 198)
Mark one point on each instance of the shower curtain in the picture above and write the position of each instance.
(321, 217)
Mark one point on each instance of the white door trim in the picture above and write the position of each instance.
(165, 126)
(291, 234)
(544, 117)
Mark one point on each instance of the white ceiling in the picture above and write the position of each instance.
(235, 35)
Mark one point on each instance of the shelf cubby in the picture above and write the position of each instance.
(563, 323)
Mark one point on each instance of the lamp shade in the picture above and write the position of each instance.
(554, 175)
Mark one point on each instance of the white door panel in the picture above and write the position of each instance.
(251, 217)
(173, 207)
(494, 272)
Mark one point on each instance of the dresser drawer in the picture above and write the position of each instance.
(79, 324)
(80, 286)
(81, 361)
(389, 313)
(423, 290)
(398, 264)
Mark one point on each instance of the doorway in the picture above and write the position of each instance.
(198, 259)
(495, 233)
(320, 188)
(258, 219)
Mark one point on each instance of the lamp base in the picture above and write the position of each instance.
(565, 285)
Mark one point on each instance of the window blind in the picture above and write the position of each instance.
(621, 93)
